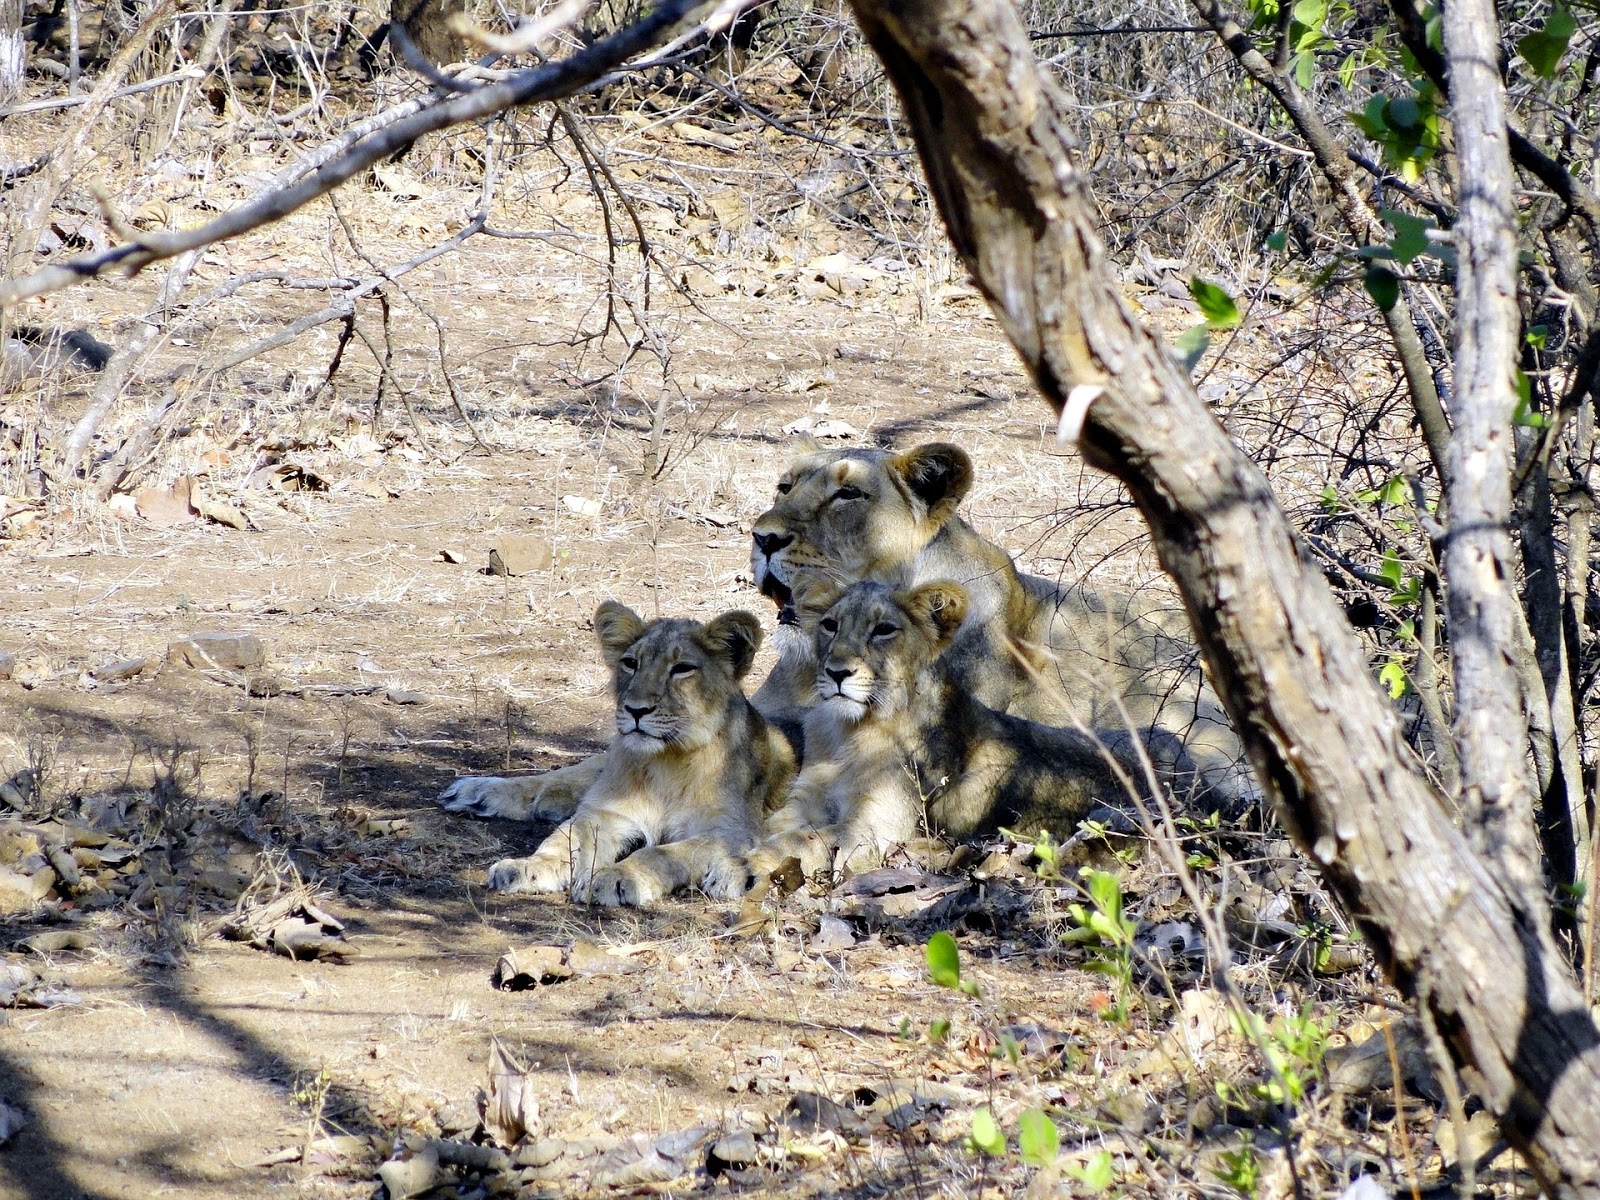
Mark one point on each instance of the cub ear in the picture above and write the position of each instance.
(735, 637)
(814, 595)
(804, 444)
(617, 627)
(938, 607)
(938, 474)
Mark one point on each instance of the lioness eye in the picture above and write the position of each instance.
(829, 625)
(783, 488)
(884, 629)
(684, 668)
(849, 493)
(630, 663)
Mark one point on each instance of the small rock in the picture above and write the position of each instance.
(217, 651)
(808, 1112)
(116, 672)
(398, 695)
(11, 1120)
(8, 664)
(833, 933)
(519, 555)
(731, 1153)
(412, 1174)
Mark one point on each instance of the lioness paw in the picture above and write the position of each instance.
(528, 875)
(490, 796)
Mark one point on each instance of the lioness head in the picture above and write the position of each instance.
(846, 515)
(673, 679)
(872, 641)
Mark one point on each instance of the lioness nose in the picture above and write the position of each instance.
(839, 674)
(636, 713)
(770, 543)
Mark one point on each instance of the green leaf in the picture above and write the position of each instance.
(1037, 1138)
(1305, 68)
(1311, 12)
(1383, 285)
(944, 960)
(1543, 50)
(1396, 491)
(1370, 120)
(1410, 234)
(1098, 1174)
(1215, 305)
(1393, 678)
(1191, 345)
(1278, 241)
(1393, 571)
(938, 1029)
(986, 1135)
(1330, 499)
(1403, 112)
(1537, 336)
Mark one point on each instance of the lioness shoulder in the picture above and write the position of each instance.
(688, 775)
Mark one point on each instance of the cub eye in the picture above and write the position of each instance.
(849, 493)
(628, 663)
(784, 488)
(829, 625)
(683, 668)
(884, 629)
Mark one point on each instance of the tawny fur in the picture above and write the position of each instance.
(895, 748)
(689, 774)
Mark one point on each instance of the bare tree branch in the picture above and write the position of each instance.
(549, 82)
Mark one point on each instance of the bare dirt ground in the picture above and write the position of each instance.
(196, 1066)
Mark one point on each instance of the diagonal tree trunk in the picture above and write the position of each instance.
(1324, 743)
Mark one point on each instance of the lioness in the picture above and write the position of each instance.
(690, 773)
(1027, 647)
(896, 748)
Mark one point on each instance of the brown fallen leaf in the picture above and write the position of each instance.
(510, 1104)
(167, 506)
(530, 967)
(216, 510)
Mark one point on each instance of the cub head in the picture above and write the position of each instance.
(872, 642)
(855, 514)
(674, 679)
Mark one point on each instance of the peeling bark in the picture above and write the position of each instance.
(1325, 744)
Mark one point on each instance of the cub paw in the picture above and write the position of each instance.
(617, 887)
(528, 875)
(731, 878)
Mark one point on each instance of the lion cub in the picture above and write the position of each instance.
(689, 775)
(894, 750)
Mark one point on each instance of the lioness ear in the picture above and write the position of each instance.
(617, 627)
(814, 595)
(735, 636)
(939, 607)
(805, 444)
(937, 474)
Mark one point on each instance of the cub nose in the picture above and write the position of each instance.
(839, 674)
(770, 543)
(636, 713)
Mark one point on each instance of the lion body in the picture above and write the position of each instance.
(688, 776)
(1067, 658)
(895, 749)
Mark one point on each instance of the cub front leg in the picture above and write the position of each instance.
(649, 874)
(548, 796)
(566, 860)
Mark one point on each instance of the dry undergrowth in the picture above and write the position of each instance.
(623, 399)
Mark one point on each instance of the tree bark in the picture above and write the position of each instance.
(1491, 729)
(12, 58)
(1324, 743)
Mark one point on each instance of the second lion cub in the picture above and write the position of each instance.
(689, 775)
(894, 750)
